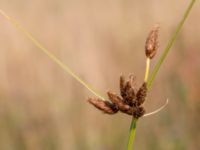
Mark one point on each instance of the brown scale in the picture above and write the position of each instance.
(141, 95)
(127, 89)
(105, 106)
(139, 112)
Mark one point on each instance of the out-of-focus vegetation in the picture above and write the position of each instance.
(42, 108)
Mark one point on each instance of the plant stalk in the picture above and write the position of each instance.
(132, 134)
(147, 70)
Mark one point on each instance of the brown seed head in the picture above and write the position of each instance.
(118, 102)
(127, 89)
(141, 94)
(105, 106)
(129, 103)
(151, 45)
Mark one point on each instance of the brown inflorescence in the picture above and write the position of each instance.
(151, 44)
(105, 106)
(130, 102)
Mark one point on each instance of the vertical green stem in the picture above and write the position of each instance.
(132, 134)
(157, 67)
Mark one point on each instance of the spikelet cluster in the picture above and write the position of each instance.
(130, 100)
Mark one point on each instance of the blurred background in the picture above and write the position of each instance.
(43, 108)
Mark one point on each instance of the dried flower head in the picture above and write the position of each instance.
(127, 89)
(129, 103)
(105, 106)
(141, 94)
(151, 45)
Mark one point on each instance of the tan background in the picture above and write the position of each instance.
(43, 108)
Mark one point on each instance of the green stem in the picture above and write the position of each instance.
(132, 134)
(157, 67)
(169, 45)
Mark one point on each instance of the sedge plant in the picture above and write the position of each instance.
(126, 87)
